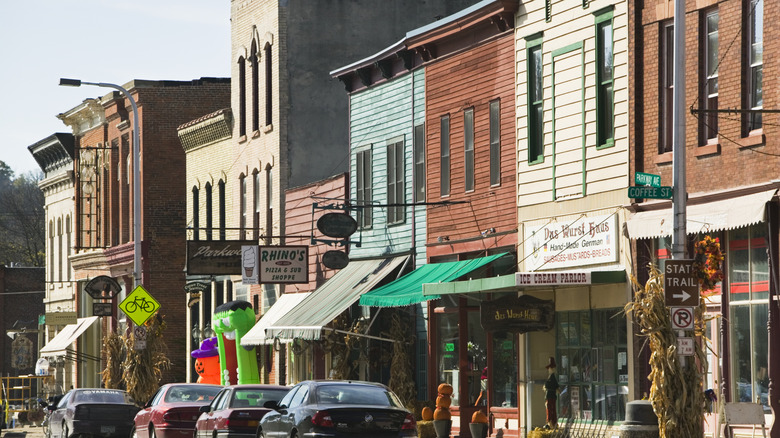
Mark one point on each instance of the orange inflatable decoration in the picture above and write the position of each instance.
(207, 361)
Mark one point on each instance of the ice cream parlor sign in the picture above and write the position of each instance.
(587, 240)
(274, 264)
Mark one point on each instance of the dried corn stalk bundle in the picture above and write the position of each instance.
(676, 392)
(143, 368)
(401, 378)
(114, 352)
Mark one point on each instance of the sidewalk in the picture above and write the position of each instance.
(23, 432)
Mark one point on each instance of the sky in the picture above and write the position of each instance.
(113, 41)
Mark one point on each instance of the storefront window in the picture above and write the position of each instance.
(504, 369)
(477, 356)
(593, 364)
(447, 350)
(748, 278)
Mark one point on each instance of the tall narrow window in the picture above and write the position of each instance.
(667, 87)
(269, 204)
(395, 181)
(605, 105)
(241, 96)
(50, 255)
(256, 215)
(363, 191)
(255, 88)
(196, 213)
(61, 252)
(535, 103)
(468, 149)
(221, 195)
(495, 143)
(243, 206)
(755, 73)
(445, 155)
(209, 212)
(708, 121)
(419, 163)
(268, 83)
(68, 234)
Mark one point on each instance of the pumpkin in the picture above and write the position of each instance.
(443, 401)
(445, 389)
(427, 414)
(479, 417)
(442, 414)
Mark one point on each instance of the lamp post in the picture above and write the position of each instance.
(136, 172)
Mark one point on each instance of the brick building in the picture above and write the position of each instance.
(21, 304)
(103, 243)
(731, 160)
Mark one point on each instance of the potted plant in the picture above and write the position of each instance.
(479, 425)
(442, 418)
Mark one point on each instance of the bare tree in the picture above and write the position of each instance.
(22, 219)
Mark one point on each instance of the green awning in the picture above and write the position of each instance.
(525, 280)
(408, 289)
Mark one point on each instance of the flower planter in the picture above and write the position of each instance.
(478, 430)
(442, 428)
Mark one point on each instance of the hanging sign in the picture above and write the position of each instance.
(517, 314)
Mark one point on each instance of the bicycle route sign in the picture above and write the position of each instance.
(139, 306)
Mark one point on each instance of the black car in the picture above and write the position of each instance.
(338, 408)
(92, 411)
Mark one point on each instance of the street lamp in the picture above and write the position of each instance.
(199, 335)
(136, 172)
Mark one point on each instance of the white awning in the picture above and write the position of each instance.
(307, 320)
(725, 214)
(67, 336)
(287, 302)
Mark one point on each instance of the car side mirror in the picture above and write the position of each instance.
(272, 404)
(205, 408)
(51, 408)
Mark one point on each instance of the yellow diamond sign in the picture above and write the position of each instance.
(139, 305)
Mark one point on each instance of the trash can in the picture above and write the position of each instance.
(641, 421)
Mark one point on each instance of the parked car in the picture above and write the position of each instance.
(92, 411)
(173, 410)
(338, 408)
(236, 411)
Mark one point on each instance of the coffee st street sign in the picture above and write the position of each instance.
(664, 192)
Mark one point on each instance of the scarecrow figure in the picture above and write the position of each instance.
(551, 389)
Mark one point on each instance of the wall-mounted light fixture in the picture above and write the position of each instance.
(201, 335)
(441, 239)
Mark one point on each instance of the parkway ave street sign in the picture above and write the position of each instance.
(681, 288)
(664, 192)
(647, 179)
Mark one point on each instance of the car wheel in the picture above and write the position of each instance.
(133, 433)
(260, 433)
(294, 434)
(64, 430)
(151, 431)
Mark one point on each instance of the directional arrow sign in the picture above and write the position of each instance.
(680, 285)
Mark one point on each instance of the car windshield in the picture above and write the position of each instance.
(250, 397)
(350, 394)
(100, 396)
(191, 393)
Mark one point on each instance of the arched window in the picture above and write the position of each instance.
(269, 206)
(242, 222)
(268, 80)
(196, 213)
(221, 210)
(209, 212)
(256, 197)
(255, 87)
(241, 96)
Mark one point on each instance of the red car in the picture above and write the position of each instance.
(237, 410)
(173, 410)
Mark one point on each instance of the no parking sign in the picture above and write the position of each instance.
(682, 318)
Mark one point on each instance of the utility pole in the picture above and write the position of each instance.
(679, 194)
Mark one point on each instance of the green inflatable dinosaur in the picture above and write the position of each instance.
(231, 322)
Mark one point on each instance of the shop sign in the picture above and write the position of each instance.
(517, 314)
(588, 240)
(552, 278)
(60, 318)
(250, 273)
(284, 264)
(215, 257)
(102, 309)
